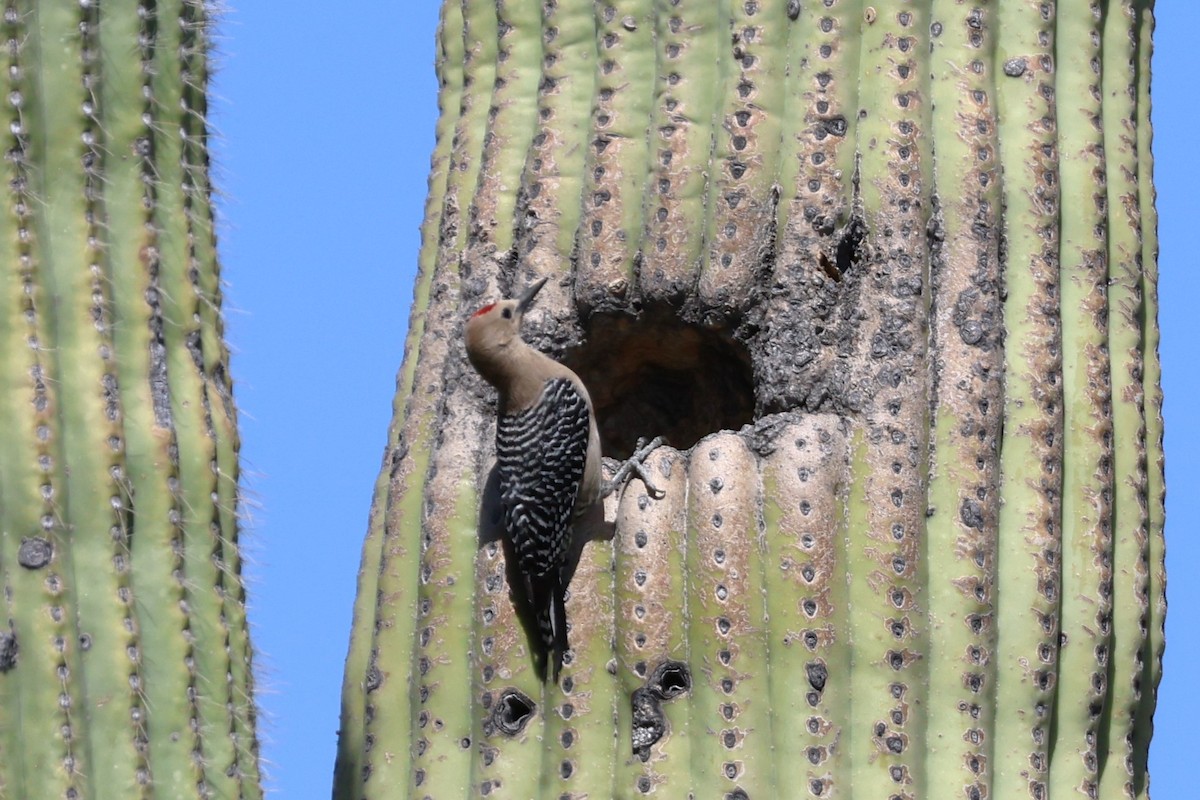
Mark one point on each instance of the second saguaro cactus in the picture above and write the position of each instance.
(884, 275)
(125, 662)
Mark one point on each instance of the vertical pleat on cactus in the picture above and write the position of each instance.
(125, 663)
(885, 276)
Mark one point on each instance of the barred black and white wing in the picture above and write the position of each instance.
(541, 454)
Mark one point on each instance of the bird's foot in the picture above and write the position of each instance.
(634, 467)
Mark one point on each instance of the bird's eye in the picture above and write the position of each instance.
(507, 313)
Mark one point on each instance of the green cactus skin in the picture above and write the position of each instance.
(442, 765)
(689, 65)
(806, 586)
(927, 562)
(888, 512)
(651, 576)
(1028, 568)
(1131, 540)
(578, 745)
(741, 197)
(820, 116)
(513, 116)
(132, 675)
(552, 183)
(618, 153)
(966, 425)
(1152, 656)
(1087, 444)
(726, 635)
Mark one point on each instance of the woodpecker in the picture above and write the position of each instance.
(547, 459)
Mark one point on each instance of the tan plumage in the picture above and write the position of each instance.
(520, 373)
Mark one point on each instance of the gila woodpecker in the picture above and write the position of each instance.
(548, 460)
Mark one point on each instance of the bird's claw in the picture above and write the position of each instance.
(634, 466)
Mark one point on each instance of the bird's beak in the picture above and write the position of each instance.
(526, 299)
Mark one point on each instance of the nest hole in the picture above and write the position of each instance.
(657, 375)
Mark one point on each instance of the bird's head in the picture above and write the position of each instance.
(496, 327)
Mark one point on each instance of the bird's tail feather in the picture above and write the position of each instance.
(552, 630)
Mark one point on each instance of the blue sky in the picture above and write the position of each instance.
(325, 120)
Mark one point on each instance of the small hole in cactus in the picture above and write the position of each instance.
(671, 679)
(512, 712)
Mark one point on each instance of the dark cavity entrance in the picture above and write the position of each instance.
(512, 712)
(656, 375)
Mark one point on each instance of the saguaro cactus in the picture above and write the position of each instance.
(124, 659)
(884, 274)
